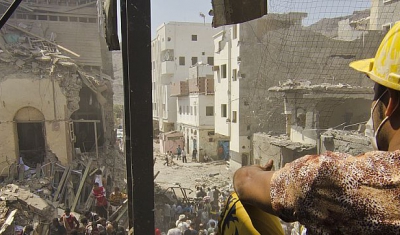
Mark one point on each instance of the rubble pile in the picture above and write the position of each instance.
(30, 54)
(28, 207)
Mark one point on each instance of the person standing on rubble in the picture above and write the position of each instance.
(101, 201)
(184, 160)
(194, 155)
(98, 178)
(69, 221)
(56, 228)
(178, 152)
(166, 158)
(91, 217)
(116, 199)
(336, 193)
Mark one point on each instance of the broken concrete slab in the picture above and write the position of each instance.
(9, 221)
(36, 204)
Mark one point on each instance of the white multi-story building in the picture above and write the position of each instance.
(195, 105)
(176, 47)
(227, 61)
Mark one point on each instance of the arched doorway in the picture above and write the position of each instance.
(31, 145)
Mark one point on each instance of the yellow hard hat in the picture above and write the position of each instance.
(385, 67)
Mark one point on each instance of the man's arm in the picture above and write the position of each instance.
(331, 193)
(252, 185)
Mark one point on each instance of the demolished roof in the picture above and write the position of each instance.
(285, 142)
(305, 87)
(29, 53)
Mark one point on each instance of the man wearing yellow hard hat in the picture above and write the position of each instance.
(336, 193)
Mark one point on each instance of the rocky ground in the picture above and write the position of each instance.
(191, 174)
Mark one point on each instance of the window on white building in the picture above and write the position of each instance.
(224, 110)
(210, 60)
(223, 71)
(234, 33)
(209, 110)
(181, 60)
(194, 60)
(195, 111)
(234, 114)
(180, 110)
(191, 110)
(194, 37)
(187, 110)
(234, 75)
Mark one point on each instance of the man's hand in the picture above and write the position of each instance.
(252, 184)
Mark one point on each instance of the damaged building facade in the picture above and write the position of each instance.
(56, 93)
(318, 118)
(243, 104)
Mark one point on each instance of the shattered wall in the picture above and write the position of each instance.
(36, 75)
(350, 142)
(19, 90)
(279, 149)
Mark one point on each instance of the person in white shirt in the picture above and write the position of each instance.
(174, 230)
(183, 154)
(210, 193)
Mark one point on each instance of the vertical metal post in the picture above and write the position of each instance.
(95, 140)
(127, 121)
(138, 112)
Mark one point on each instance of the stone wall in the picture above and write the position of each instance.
(279, 149)
(353, 143)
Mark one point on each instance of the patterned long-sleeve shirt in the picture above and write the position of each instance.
(337, 193)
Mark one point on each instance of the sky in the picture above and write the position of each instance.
(164, 11)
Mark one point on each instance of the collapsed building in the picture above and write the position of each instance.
(318, 118)
(56, 114)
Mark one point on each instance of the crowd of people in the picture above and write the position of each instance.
(90, 223)
(199, 216)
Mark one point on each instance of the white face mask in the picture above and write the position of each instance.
(369, 126)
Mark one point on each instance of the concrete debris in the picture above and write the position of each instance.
(304, 85)
(10, 219)
(35, 204)
(284, 141)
